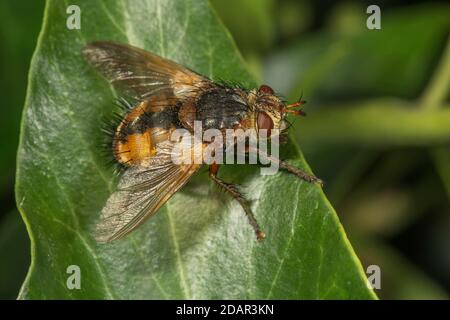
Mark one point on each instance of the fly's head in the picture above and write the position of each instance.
(270, 111)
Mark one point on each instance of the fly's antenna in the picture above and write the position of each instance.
(296, 112)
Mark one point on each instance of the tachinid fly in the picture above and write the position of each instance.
(168, 97)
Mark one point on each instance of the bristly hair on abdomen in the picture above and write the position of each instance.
(108, 127)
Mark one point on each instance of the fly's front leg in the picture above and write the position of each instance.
(232, 190)
(286, 166)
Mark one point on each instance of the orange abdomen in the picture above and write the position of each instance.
(138, 135)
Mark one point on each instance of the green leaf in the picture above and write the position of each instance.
(199, 245)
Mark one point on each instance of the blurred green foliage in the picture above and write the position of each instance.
(377, 128)
(14, 254)
(19, 26)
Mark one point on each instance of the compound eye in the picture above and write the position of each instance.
(265, 89)
(265, 122)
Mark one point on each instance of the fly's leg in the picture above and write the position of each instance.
(300, 173)
(232, 190)
(286, 166)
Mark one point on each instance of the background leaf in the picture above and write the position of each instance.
(17, 45)
(14, 246)
(199, 245)
(19, 26)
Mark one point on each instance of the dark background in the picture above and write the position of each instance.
(391, 193)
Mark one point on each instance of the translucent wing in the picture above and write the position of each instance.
(141, 191)
(140, 74)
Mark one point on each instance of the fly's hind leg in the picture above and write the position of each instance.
(232, 190)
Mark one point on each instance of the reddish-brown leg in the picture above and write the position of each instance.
(232, 190)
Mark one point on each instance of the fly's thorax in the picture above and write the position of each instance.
(221, 108)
